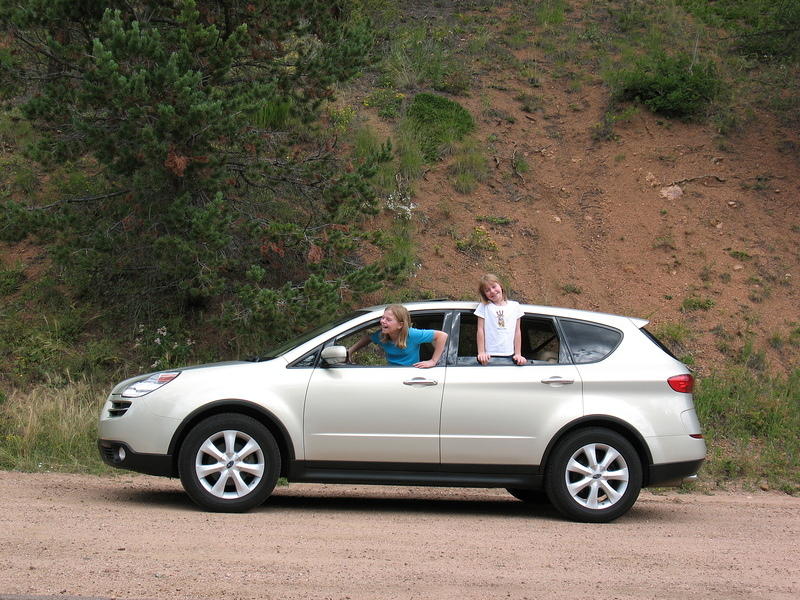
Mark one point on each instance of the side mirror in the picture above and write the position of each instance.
(334, 355)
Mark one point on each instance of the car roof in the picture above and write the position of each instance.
(555, 311)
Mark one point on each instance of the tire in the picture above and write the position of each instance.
(229, 463)
(593, 476)
(537, 497)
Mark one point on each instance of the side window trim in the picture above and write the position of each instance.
(454, 341)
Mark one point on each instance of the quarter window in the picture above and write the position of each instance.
(589, 342)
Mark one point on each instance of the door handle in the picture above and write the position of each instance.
(559, 380)
(420, 381)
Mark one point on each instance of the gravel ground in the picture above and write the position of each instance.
(138, 537)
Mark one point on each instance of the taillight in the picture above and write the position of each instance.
(682, 383)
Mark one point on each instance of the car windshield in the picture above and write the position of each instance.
(283, 348)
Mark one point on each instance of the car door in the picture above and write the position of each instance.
(502, 413)
(374, 412)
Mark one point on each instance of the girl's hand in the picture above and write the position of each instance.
(484, 358)
(520, 360)
(425, 364)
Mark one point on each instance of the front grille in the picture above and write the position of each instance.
(119, 408)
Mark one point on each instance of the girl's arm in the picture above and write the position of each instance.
(483, 358)
(439, 340)
(518, 358)
(364, 341)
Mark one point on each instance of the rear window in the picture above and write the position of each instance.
(589, 342)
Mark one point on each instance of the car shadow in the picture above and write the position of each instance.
(458, 505)
(331, 500)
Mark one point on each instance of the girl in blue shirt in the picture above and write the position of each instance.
(400, 341)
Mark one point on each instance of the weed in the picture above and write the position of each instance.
(495, 220)
(469, 167)
(387, 101)
(664, 242)
(673, 86)
(476, 243)
(693, 303)
(11, 280)
(530, 102)
(739, 255)
(571, 288)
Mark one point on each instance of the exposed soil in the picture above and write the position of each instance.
(139, 537)
(595, 225)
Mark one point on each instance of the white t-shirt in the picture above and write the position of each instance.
(500, 324)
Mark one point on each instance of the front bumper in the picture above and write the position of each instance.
(119, 455)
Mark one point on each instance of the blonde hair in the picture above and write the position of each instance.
(400, 313)
(485, 282)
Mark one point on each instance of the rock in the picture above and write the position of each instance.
(672, 192)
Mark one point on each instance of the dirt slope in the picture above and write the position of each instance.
(595, 226)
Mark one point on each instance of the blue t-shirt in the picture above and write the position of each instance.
(410, 354)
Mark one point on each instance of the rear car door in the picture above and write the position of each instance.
(502, 413)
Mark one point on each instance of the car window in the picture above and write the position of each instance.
(372, 355)
(540, 341)
(589, 342)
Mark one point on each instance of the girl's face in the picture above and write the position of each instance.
(494, 292)
(390, 325)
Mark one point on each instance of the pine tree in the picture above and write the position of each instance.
(216, 185)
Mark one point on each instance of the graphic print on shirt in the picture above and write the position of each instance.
(501, 322)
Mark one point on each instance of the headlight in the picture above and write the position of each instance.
(152, 383)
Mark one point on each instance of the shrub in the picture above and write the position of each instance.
(673, 86)
(440, 121)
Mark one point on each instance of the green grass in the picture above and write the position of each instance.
(51, 428)
(751, 421)
(440, 122)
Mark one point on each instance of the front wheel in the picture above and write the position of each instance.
(229, 463)
(594, 476)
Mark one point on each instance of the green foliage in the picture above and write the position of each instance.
(761, 28)
(469, 167)
(477, 242)
(423, 57)
(751, 422)
(11, 280)
(439, 123)
(674, 86)
(202, 118)
(693, 303)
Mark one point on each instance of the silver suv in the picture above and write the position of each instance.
(600, 410)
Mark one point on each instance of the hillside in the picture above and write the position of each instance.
(663, 219)
(580, 200)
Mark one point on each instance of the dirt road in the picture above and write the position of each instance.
(137, 537)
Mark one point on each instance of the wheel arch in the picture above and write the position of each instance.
(619, 426)
(235, 406)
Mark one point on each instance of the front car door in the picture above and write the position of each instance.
(371, 412)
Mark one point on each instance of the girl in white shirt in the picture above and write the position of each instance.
(499, 331)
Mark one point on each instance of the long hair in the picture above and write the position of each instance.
(484, 282)
(400, 313)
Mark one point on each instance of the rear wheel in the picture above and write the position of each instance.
(229, 463)
(594, 475)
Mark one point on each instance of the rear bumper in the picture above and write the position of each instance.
(119, 455)
(672, 474)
